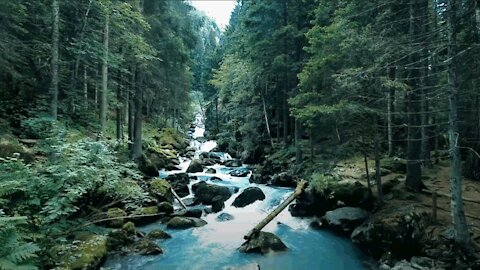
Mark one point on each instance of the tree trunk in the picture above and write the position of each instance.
(137, 138)
(103, 97)
(266, 116)
(119, 115)
(312, 145)
(390, 111)
(85, 86)
(55, 41)
(378, 174)
(298, 139)
(365, 160)
(462, 235)
(131, 110)
(414, 170)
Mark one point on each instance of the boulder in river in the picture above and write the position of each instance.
(195, 166)
(218, 203)
(211, 155)
(158, 234)
(192, 212)
(232, 163)
(398, 230)
(216, 179)
(263, 243)
(224, 217)
(205, 193)
(249, 196)
(147, 247)
(344, 220)
(258, 178)
(239, 173)
(211, 171)
(179, 182)
(208, 161)
(185, 223)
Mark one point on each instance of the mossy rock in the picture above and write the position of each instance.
(165, 207)
(119, 239)
(147, 247)
(158, 234)
(395, 165)
(185, 223)
(146, 166)
(161, 190)
(170, 137)
(9, 147)
(115, 213)
(129, 228)
(88, 254)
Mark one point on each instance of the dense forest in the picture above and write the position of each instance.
(98, 96)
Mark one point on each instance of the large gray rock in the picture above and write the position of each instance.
(263, 243)
(344, 220)
(158, 234)
(147, 247)
(204, 193)
(249, 196)
(179, 183)
(218, 203)
(398, 230)
(232, 163)
(185, 223)
(195, 166)
(240, 172)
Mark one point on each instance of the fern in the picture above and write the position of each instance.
(15, 252)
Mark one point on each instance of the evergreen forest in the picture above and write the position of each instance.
(136, 133)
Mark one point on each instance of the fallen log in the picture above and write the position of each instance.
(179, 199)
(300, 187)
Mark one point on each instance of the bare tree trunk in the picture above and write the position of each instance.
(131, 109)
(414, 170)
(266, 116)
(390, 111)
(365, 160)
(55, 41)
(137, 139)
(119, 116)
(462, 235)
(96, 86)
(103, 98)
(85, 85)
(378, 174)
(298, 146)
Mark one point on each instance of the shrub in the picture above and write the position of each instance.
(40, 128)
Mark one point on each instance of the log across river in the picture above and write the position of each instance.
(215, 245)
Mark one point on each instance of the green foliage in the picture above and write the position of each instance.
(85, 167)
(41, 128)
(15, 251)
(321, 182)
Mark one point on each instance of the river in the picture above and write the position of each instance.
(214, 246)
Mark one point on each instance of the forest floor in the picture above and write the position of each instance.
(436, 179)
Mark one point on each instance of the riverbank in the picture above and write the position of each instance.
(401, 231)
